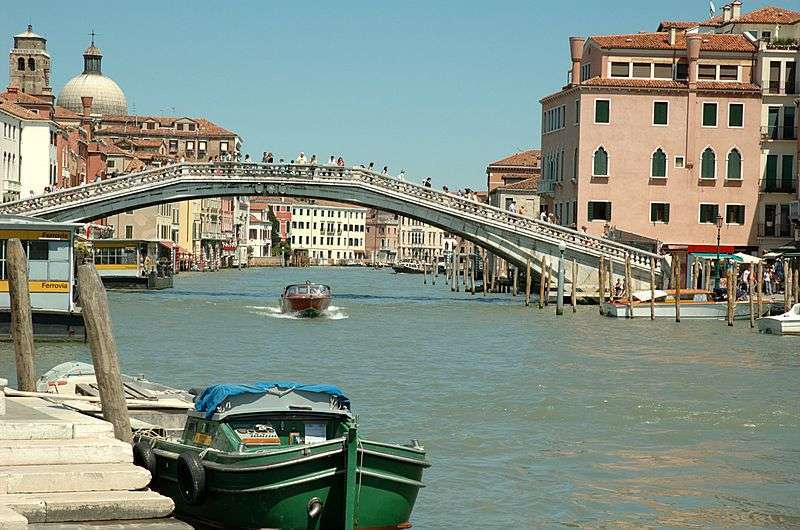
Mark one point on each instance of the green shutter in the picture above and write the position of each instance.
(771, 176)
(740, 215)
(787, 168)
(708, 163)
(710, 114)
(736, 115)
(653, 213)
(608, 211)
(590, 211)
(734, 165)
(660, 112)
(666, 213)
(601, 112)
(659, 164)
(600, 162)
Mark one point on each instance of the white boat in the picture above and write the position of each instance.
(695, 304)
(785, 324)
(408, 266)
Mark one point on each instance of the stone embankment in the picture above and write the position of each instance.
(63, 469)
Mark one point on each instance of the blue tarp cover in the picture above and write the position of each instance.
(214, 395)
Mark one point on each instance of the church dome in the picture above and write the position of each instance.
(107, 96)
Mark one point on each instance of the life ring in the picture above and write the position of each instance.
(143, 456)
(191, 478)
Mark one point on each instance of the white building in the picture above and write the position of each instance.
(9, 153)
(331, 232)
(419, 241)
(259, 232)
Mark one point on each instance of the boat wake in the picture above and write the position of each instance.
(332, 313)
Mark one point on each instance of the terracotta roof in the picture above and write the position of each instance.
(22, 97)
(254, 219)
(768, 15)
(660, 41)
(666, 25)
(129, 124)
(527, 184)
(20, 112)
(529, 158)
(113, 150)
(141, 142)
(63, 113)
(667, 84)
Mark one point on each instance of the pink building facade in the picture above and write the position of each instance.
(656, 134)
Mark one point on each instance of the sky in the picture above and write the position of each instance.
(436, 88)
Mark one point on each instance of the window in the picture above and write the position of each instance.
(658, 165)
(577, 111)
(734, 171)
(766, 35)
(709, 114)
(201, 146)
(728, 72)
(151, 125)
(682, 71)
(642, 70)
(659, 212)
(600, 163)
(20, 64)
(223, 146)
(128, 232)
(599, 211)
(734, 214)
(620, 69)
(190, 145)
(173, 146)
(708, 213)
(736, 115)
(601, 111)
(660, 113)
(707, 71)
(708, 164)
(31, 64)
(586, 71)
(680, 162)
(111, 163)
(662, 71)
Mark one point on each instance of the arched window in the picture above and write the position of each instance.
(734, 165)
(708, 164)
(658, 164)
(20, 64)
(600, 163)
(31, 64)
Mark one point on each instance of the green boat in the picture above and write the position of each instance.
(282, 455)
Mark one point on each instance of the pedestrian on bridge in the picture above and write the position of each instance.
(313, 161)
(427, 182)
(371, 166)
(512, 206)
(247, 159)
(401, 175)
(385, 171)
(340, 162)
(301, 159)
(332, 161)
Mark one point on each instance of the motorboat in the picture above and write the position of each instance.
(279, 454)
(408, 266)
(306, 299)
(695, 304)
(786, 324)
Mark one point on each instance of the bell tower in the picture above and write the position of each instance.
(29, 65)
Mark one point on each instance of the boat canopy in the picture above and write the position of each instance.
(270, 396)
(740, 257)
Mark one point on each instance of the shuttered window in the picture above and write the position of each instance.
(734, 214)
(734, 165)
(709, 114)
(659, 212)
(599, 211)
(735, 115)
(600, 163)
(708, 164)
(660, 113)
(708, 213)
(619, 69)
(658, 166)
(601, 111)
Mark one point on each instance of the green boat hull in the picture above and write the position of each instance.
(275, 488)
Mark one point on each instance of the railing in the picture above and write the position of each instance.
(767, 229)
(769, 185)
(775, 132)
(227, 171)
(546, 187)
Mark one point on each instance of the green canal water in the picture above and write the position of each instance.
(530, 420)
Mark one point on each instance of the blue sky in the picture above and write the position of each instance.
(435, 88)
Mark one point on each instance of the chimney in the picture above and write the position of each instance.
(726, 13)
(693, 43)
(576, 53)
(673, 34)
(86, 103)
(736, 10)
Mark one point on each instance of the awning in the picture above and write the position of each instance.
(713, 255)
(789, 250)
(746, 258)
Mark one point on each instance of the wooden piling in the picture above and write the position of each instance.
(574, 295)
(514, 281)
(760, 287)
(547, 284)
(797, 281)
(541, 282)
(786, 285)
(485, 274)
(21, 316)
(750, 296)
(424, 274)
(731, 281)
(627, 286)
(528, 283)
(601, 286)
(94, 302)
(472, 275)
(677, 290)
(652, 289)
(610, 279)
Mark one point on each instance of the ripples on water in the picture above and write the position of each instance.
(531, 421)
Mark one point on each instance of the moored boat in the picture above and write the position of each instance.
(408, 267)
(695, 304)
(306, 299)
(786, 324)
(282, 455)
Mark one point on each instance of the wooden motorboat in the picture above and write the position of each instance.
(408, 266)
(306, 299)
(785, 324)
(695, 304)
(282, 455)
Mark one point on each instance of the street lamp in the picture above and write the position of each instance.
(716, 269)
(562, 246)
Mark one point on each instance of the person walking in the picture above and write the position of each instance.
(301, 159)
(270, 158)
(332, 161)
(385, 171)
(543, 216)
(401, 175)
(247, 158)
(371, 166)
(313, 161)
(340, 162)
(427, 182)
(512, 207)
(767, 282)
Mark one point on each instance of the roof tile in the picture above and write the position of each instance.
(660, 41)
(529, 158)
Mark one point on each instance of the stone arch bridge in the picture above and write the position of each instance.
(510, 236)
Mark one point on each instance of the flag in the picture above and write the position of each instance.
(711, 8)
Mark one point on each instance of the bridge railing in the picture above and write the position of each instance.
(234, 170)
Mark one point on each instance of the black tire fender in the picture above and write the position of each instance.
(191, 478)
(143, 456)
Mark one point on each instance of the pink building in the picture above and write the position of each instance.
(656, 134)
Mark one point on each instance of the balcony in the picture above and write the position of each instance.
(546, 187)
(779, 186)
(770, 229)
(774, 132)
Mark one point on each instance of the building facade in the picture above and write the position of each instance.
(381, 233)
(419, 241)
(514, 168)
(331, 233)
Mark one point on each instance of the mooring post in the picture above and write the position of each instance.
(527, 282)
(731, 281)
(94, 302)
(787, 285)
(610, 279)
(485, 272)
(750, 295)
(472, 263)
(424, 273)
(627, 282)
(560, 286)
(547, 284)
(652, 289)
(574, 296)
(453, 271)
(759, 287)
(677, 290)
(21, 316)
(541, 282)
(350, 478)
(601, 286)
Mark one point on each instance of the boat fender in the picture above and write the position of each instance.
(191, 478)
(314, 507)
(143, 456)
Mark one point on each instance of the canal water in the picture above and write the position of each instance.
(530, 421)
